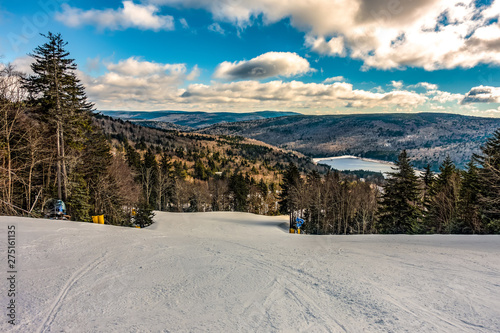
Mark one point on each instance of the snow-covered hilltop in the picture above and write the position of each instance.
(228, 272)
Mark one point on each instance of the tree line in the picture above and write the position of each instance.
(451, 201)
(52, 145)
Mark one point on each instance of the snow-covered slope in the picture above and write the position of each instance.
(235, 272)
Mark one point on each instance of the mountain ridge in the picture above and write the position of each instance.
(194, 119)
(428, 137)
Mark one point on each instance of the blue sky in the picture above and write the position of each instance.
(314, 57)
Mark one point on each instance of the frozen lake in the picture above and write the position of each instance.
(352, 163)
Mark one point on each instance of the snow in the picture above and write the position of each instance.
(237, 272)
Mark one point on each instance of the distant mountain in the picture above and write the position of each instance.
(428, 137)
(195, 119)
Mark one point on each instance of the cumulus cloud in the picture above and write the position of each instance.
(335, 46)
(431, 34)
(266, 65)
(444, 96)
(135, 83)
(23, 64)
(311, 95)
(425, 85)
(334, 79)
(397, 84)
(194, 74)
(144, 17)
(482, 94)
(138, 84)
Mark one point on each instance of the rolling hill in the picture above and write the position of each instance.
(428, 137)
(194, 119)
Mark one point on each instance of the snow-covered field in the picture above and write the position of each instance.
(236, 272)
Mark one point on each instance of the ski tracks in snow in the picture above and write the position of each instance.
(75, 277)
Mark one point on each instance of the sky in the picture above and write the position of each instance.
(308, 56)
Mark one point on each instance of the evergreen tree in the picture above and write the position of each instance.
(427, 182)
(200, 172)
(489, 180)
(149, 176)
(469, 220)
(81, 152)
(313, 216)
(399, 212)
(239, 189)
(443, 212)
(289, 192)
(144, 215)
(133, 158)
(61, 103)
(263, 188)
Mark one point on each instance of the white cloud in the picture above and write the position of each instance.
(444, 96)
(142, 85)
(397, 84)
(482, 94)
(215, 27)
(425, 85)
(134, 67)
(299, 94)
(184, 23)
(132, 15)
(335, 46)
(431, 34)
(194, 74)
(266, 65)
(23, 64)
(334, 79)
(136, 84)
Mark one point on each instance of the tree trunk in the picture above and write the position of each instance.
(59, 182)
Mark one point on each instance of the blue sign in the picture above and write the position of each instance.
(300, 222)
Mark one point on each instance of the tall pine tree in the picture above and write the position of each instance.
(399, 211)
(489, 180)
(469, 219)
(79, 150)
(61, 103)
(443, 212)
(289, 192)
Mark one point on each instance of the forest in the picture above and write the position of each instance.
(452, 201)
(54, 146)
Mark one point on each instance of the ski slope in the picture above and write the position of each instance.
(237, 272)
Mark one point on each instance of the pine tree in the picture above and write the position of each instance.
(313, 214)
(263, 188)
(489, 180)
(60, 102)
(200, 172)
(427, 182)
(240, 190)
(289, 192)
(80, 150)
(443, 210)
(149, 170)
(469, 220)
(399, 211)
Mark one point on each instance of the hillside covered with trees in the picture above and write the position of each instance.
(53, 146)
(452, 201)
(428, 138)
